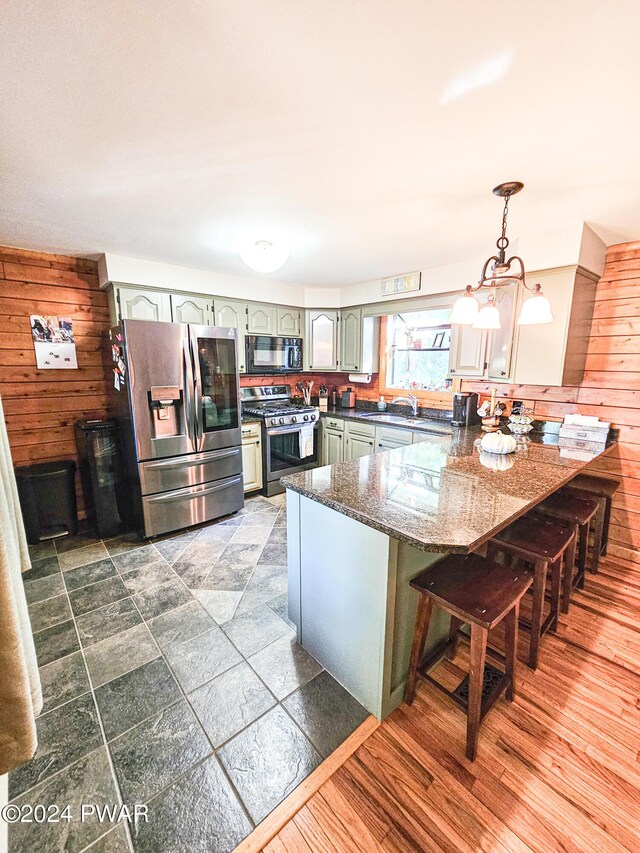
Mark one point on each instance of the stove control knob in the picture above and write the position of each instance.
(274, 421)
(306, 418)
(280, 420)
(313, 417)
(294, 419)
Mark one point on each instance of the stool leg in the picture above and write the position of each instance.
(569, 564)
(539, 584)
(583, 544)
(598, 534)
(556, 581)
(476, 679)
(454, 627)
(605, 535)
(423, 617)
(511, 648)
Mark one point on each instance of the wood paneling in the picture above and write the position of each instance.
(41, 406)
(557, 769)
(610, 388)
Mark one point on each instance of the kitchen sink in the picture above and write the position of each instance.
(402, 420)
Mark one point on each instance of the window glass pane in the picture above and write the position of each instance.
(418, 345)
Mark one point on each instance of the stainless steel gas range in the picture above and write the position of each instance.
(290, 432)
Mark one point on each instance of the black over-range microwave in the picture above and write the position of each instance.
(267, 354)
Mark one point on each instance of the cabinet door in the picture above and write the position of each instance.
(251, 459)
(191, 309)
(261, 320)
(501, 340)
(322, 340)
(350, 339)
(388, 438)
(233, 315)
(467, 353)
(288, 322)
(143, 305)
(358, 446)
(332, 447)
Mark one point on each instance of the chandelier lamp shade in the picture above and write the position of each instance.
(501, 271)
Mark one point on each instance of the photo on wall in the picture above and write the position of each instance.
(53, 342)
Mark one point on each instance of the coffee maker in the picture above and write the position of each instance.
(465, 409)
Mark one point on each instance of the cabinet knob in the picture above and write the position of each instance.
(503, 373)
(453, 370)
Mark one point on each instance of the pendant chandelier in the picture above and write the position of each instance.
(500, 271)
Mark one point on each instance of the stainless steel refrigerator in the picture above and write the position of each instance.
(177, 400)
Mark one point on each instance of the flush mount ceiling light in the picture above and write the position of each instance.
(500, 271)
(264, 256)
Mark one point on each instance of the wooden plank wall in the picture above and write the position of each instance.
(610, 389)
(41, 406)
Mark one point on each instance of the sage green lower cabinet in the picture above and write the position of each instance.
(333, 440)
(360, 440)
(388, 438)
(191, 309)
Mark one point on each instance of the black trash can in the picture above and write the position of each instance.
(48, 499)
(105, 494)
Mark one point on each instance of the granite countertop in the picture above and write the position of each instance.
(442, 495)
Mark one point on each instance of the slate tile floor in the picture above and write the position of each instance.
(171, 677)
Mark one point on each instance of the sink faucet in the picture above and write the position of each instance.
(410, 400)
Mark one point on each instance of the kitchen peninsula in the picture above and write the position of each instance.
(360, 530)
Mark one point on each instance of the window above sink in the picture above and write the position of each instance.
(415, 356)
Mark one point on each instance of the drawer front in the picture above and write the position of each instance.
(184, 507)
(182, 471)
(251, 430)
(360, 428)
(336, 424)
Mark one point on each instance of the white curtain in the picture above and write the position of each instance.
(20, 691)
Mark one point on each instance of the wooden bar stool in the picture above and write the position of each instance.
(545, 545)
(577, 513)
(481, 593)
(603, 490)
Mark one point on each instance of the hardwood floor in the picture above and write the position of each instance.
(557, 770)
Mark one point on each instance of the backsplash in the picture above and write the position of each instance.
(368, 392)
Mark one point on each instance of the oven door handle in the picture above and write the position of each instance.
(286, 429)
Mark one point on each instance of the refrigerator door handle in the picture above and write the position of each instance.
(197, 385)
(188, 389)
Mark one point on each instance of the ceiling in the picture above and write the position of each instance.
(366, 134)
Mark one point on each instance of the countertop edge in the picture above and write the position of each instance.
(435, 547)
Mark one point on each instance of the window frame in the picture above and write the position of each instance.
(429, 399)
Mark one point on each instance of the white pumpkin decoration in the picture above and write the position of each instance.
(498, 442)
(496, 461)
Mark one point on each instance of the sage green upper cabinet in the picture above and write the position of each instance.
(191, 309)
(359, 341)
(500, 341)
(233, 315)
(322, 340)
(230, 313)
(288, 322)
(261, 319)
(350, 339)
(467, 353)
(135, 304)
